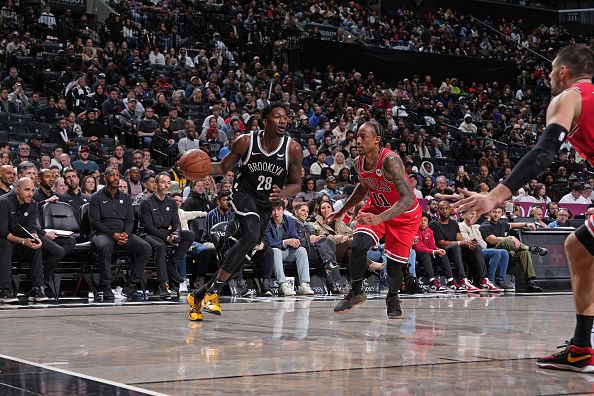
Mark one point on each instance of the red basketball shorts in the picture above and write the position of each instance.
(399, 232)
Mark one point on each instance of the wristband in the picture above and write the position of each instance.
(23, 242)
(458, 243)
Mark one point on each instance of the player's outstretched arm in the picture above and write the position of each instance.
(358, 195)
(238, 149)
(395, 170)
(293, 174)
(563, 110)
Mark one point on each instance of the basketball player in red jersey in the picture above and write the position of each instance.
(569, 115)
(392, 210)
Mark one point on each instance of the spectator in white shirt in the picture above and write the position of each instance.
(467, 126)
(156, 57)
(316, 168)
(47, 18)
(189, 142)
(587, 193)
(575, 196)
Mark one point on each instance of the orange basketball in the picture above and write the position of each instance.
(195, 164)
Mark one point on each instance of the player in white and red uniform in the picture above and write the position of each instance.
(391, 210)
(569, 115)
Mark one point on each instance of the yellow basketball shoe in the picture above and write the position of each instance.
(210, 303)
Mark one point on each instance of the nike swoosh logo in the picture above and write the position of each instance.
(155, 209)
(104, 201)
(571, 359)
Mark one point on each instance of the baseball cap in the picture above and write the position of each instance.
(578, 187)
(587, 186)
(83, 148)
(573, 177)
(101, 75)
(330, 179)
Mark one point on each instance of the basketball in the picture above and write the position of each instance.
(195, 164)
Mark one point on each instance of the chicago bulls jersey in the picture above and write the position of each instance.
(382, 192)
(581, 136)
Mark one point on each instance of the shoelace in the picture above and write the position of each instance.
(563, 353)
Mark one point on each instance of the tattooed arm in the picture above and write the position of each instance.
(394, 170)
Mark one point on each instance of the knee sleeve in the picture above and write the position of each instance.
(395, 275)
(358, 260)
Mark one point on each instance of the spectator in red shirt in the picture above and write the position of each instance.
(426, 250)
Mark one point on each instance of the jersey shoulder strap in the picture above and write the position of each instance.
(251, 148)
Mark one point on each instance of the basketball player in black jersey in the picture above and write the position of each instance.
(270, 170)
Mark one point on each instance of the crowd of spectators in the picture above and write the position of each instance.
(160, 78)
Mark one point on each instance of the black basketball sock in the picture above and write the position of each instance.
(357, 286)
(583, 331)
(216, 287)
(199, 293)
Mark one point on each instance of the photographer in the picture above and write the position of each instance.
(18, 97)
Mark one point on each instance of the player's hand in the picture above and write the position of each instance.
(52, 199)
(260, 246)
(368, 218)
(531, 226)
(440, 252)
(475, 202)
(275, 194)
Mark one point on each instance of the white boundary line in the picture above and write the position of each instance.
(88, 377)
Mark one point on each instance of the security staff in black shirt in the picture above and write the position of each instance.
(112, 219)
(54, 247)
(17, 209)
(162, 226)
(73, 196)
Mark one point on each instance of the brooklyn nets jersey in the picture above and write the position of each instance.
(260, 170)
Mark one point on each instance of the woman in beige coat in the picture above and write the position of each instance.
(337, 231)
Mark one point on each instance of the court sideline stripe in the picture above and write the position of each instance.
(84, 376)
